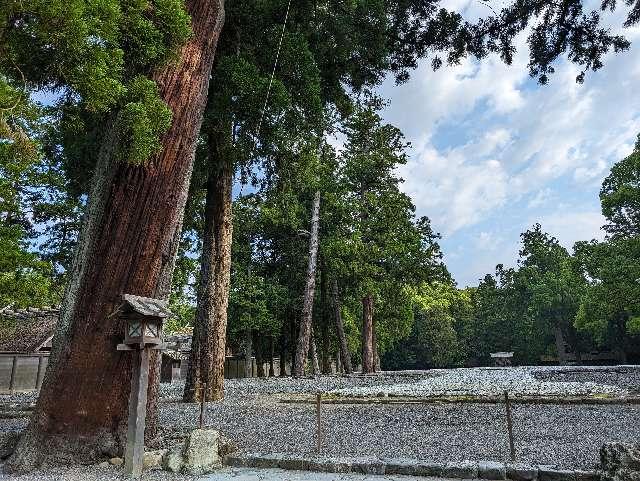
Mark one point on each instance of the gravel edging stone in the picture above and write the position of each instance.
(485, 470)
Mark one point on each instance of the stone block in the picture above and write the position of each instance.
(491, 470)
(401, 466)
(172, 461)
(429, 469)
(586, 475)
(616, 456)
(551, 474)
(235, 461)
(153, 459)
(368, 466)
(461, 470)
(521, 472)
(116, 461)
(292, 463)
(8, 443)
(200, 453)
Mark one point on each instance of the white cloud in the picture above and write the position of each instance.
(570, 226)
(540, 198)
(489, 144)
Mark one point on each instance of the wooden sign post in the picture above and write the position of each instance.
(144, 333)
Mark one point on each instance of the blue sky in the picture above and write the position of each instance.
(493, 152)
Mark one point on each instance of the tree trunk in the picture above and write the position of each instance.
(208, 348)
(374, 341)
(283, 356)
(315, 365)
(128, 244)
(368, 362)
(345, 355)
(326, 340)
(259, 350)
(248, 347)
(272, 352)
(304, 335)
(560, 345)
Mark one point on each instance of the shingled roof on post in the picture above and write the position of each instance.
(27, 330)
(145, 306)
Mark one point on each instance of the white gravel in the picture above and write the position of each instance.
(568, 436)
(518, 381)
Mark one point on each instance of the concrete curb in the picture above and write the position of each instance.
(489, 470)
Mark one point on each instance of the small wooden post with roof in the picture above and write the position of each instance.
(144, 317)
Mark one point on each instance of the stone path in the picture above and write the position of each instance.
(249, 474)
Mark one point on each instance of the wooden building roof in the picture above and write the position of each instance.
(27, 330)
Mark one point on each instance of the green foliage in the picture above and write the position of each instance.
(436, 338)
(95, 54)
(141, 122)
(620, 197)
(25, 279)
(609, 307)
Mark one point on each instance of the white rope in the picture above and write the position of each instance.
(266, 100)
(273, 72)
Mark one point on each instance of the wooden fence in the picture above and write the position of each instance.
(22, 372)
(25, 372)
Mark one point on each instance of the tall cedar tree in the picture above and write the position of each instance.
(127, 245)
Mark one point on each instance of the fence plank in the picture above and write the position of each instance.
(40, 374)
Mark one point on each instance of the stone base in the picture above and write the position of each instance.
(620, 462)
(198, 455)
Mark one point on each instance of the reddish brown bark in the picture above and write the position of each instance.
(368, 360)
(128, 245)
(208, 349)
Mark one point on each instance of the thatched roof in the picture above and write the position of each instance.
(26, 330)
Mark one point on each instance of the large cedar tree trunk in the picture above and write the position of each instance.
(304, 335)
(368, 361)
(345, 355)
(128, 244)
(208, 349)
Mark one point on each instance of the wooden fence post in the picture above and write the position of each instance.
(134, 451)
(319, 421)
(12, 380)
(510, 427)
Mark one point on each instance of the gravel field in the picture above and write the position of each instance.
(565, 435)
(624, 377)
(519, 381)
(568, 436)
